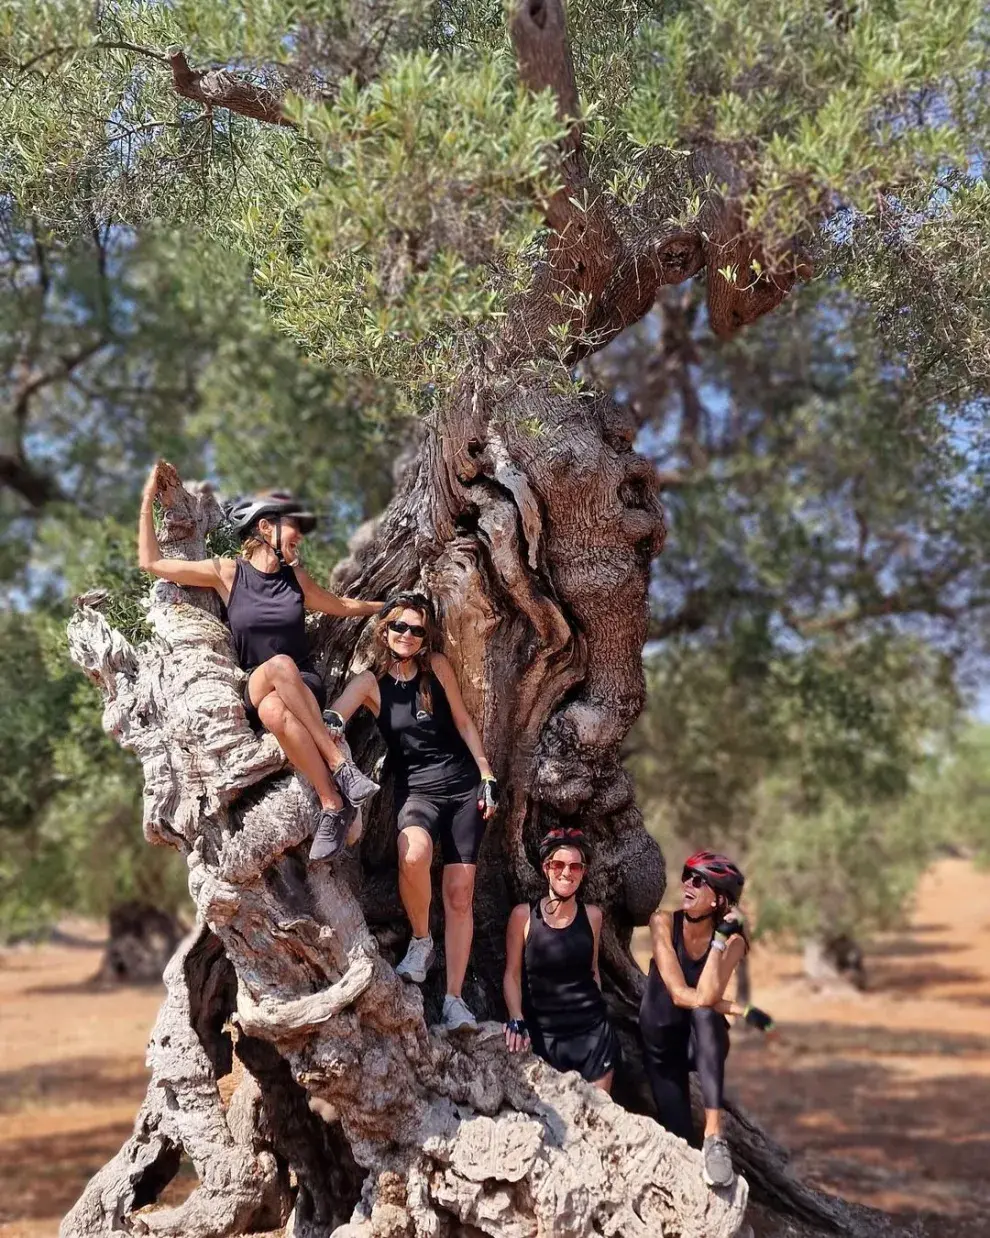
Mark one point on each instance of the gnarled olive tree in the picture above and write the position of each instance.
(528, 513)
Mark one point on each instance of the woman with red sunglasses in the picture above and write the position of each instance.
(444, 789)
(552, 987)
(682, 1015)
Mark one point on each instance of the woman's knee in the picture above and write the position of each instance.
(272, 713)
(458, 892)
(281, 667)
(415, 849)
(706, 1017)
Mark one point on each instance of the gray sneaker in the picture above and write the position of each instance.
(456, 1014)
(355, 787)
(331, 831)
(418, 961)
(718, 1169)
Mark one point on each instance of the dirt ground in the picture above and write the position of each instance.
(883, 1097)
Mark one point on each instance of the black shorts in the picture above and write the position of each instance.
(455, 821)
(592, 1054)
(309, 678)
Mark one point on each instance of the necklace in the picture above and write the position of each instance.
(397, 665)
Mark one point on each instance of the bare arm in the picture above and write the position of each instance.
(215, 574)
(668, 965)
(327, 603)
(462, 719)
(719, 966)
(515, 944)
(595, 919)
(361, 690)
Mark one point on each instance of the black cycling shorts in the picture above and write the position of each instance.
(453, 821)
(309, 678)
(592, 1054)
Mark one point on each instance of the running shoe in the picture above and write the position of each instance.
(418, 961)
(718, 1169)
(355, 787)
(331, 832)
(456, 1014)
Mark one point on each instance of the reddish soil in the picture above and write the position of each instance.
(883, 1097)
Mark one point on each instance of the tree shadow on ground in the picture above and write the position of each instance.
(79, 1080)
(43, 1176)
(872, 1130)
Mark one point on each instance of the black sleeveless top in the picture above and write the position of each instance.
(560, 996)
(692, 968)
(427, 752)
(266, 616)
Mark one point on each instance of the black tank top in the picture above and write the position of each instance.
(266, 616)
(692, 968)
(426, 753)
(559, 992)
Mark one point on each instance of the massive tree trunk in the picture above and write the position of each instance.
(530, 516)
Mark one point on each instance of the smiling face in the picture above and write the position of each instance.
(564, 871)
(291, 536)
(405, 632)
(698, 900)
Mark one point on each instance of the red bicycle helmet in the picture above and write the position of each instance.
(563, 837)
(719, 872)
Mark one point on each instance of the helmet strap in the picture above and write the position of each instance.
(558, 899)
(709, 915)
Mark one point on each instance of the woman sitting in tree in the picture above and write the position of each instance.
(682, 1015)
(267, 593)
(552, 987)
(444, 787)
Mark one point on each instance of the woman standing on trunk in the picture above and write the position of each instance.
(444, 788)
(267, 592)
(682, 1015)
(552, 987)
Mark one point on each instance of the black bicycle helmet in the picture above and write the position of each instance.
(553, 840)
(719, 872)
(244, 514)
(410, 599)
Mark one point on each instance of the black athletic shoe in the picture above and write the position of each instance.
(331, 832)
(355, 787)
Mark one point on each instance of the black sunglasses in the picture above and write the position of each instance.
(690, 878)
(400, 628)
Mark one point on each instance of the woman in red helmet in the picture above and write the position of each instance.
(682, 1015)
(552, 987)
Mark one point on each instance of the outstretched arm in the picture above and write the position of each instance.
(203, 573)
(327, 603)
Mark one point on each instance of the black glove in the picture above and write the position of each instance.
(730, 926)
(488, 794)
(518, 1026)
(335, 723)
(759, 1019)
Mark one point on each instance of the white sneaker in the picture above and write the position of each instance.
(418, 961)
(456, 1014)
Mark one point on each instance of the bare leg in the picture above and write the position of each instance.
(713, 1122)
(458, 910)
(415, 858)
(299, 748)
(605, 1082)
(281, 675)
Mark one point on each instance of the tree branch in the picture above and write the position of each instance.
(220, 88)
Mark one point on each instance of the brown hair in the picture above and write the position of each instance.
(383, 657)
